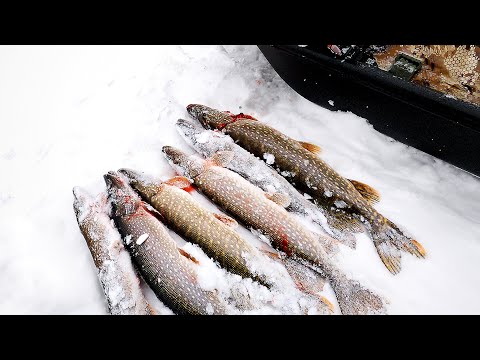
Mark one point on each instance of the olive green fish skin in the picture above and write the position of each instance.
(168, 273)
(117, 276)
(308, 172)
(198, 225)
(250, 205)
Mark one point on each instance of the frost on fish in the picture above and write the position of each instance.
(269, 158)
(250, 205)
(207, 143)
(117, 276)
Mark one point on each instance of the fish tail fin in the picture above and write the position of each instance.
(310, 283)
(389, 241)
(354, 299)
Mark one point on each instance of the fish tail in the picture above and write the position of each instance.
(389, 241)
(354, 299)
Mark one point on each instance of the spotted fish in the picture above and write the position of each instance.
(212, 232)
(350, 201)
(215, 234)
(257, 211)
(117, 276)
(164, 268)
(208, 142)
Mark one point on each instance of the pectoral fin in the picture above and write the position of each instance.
(188, 256)
(367, 192)
(227, 220)
(179, 181)
(279, 199)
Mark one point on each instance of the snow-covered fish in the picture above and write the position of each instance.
(212, 232)
(168, 272)
(117, 276)
(215, 234)
(350, 201)
(259, 211)
(208, 142)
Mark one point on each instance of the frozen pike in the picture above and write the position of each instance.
(208, 142)
(215, 234)
(349, 201)
(117, 276)
(168, 272)
(212, 232)
(259, 211)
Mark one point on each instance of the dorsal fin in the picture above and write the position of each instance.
(367, 192)
(279, 199)
(227, 220)
(178, 181)
(314, 149)
(222, 158)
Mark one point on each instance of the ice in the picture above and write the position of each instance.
(203, 137)
(269, 158)
(128, 239)
(331, 102)
(77, 127)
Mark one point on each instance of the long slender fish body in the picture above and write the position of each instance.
(196, 224)
(250, 205)
(208, 142)
(117, 276)
(311, 174)
(169, 274)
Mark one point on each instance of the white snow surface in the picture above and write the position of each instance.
(71, 113)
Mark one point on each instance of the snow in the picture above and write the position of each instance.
(142, 238)
(269, 158)
(71, 113)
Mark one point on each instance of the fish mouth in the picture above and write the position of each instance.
(81, 199)
(198, 112)
(187, 124)
(173, 154)
(131, 175)
(114, 180)
(79, 194)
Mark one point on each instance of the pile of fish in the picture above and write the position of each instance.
(265, 180)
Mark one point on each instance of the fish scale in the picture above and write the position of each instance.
(117, 276)
(314, 176)
(195, 223)
(208, 142)
(168, 273)
(250, 205)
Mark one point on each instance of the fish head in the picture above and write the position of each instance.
(189, 129)
(124, 199)
(85, 204)
(189, 166)
(82, 201)
(210, 118)
(145, 185)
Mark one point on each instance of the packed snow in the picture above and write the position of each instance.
(72, 113)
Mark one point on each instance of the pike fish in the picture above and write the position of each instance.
(208, 142)
(168, 272)
(215, 234)
(259, 211)
(117, 276)
(348, 200)
(212, 232)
